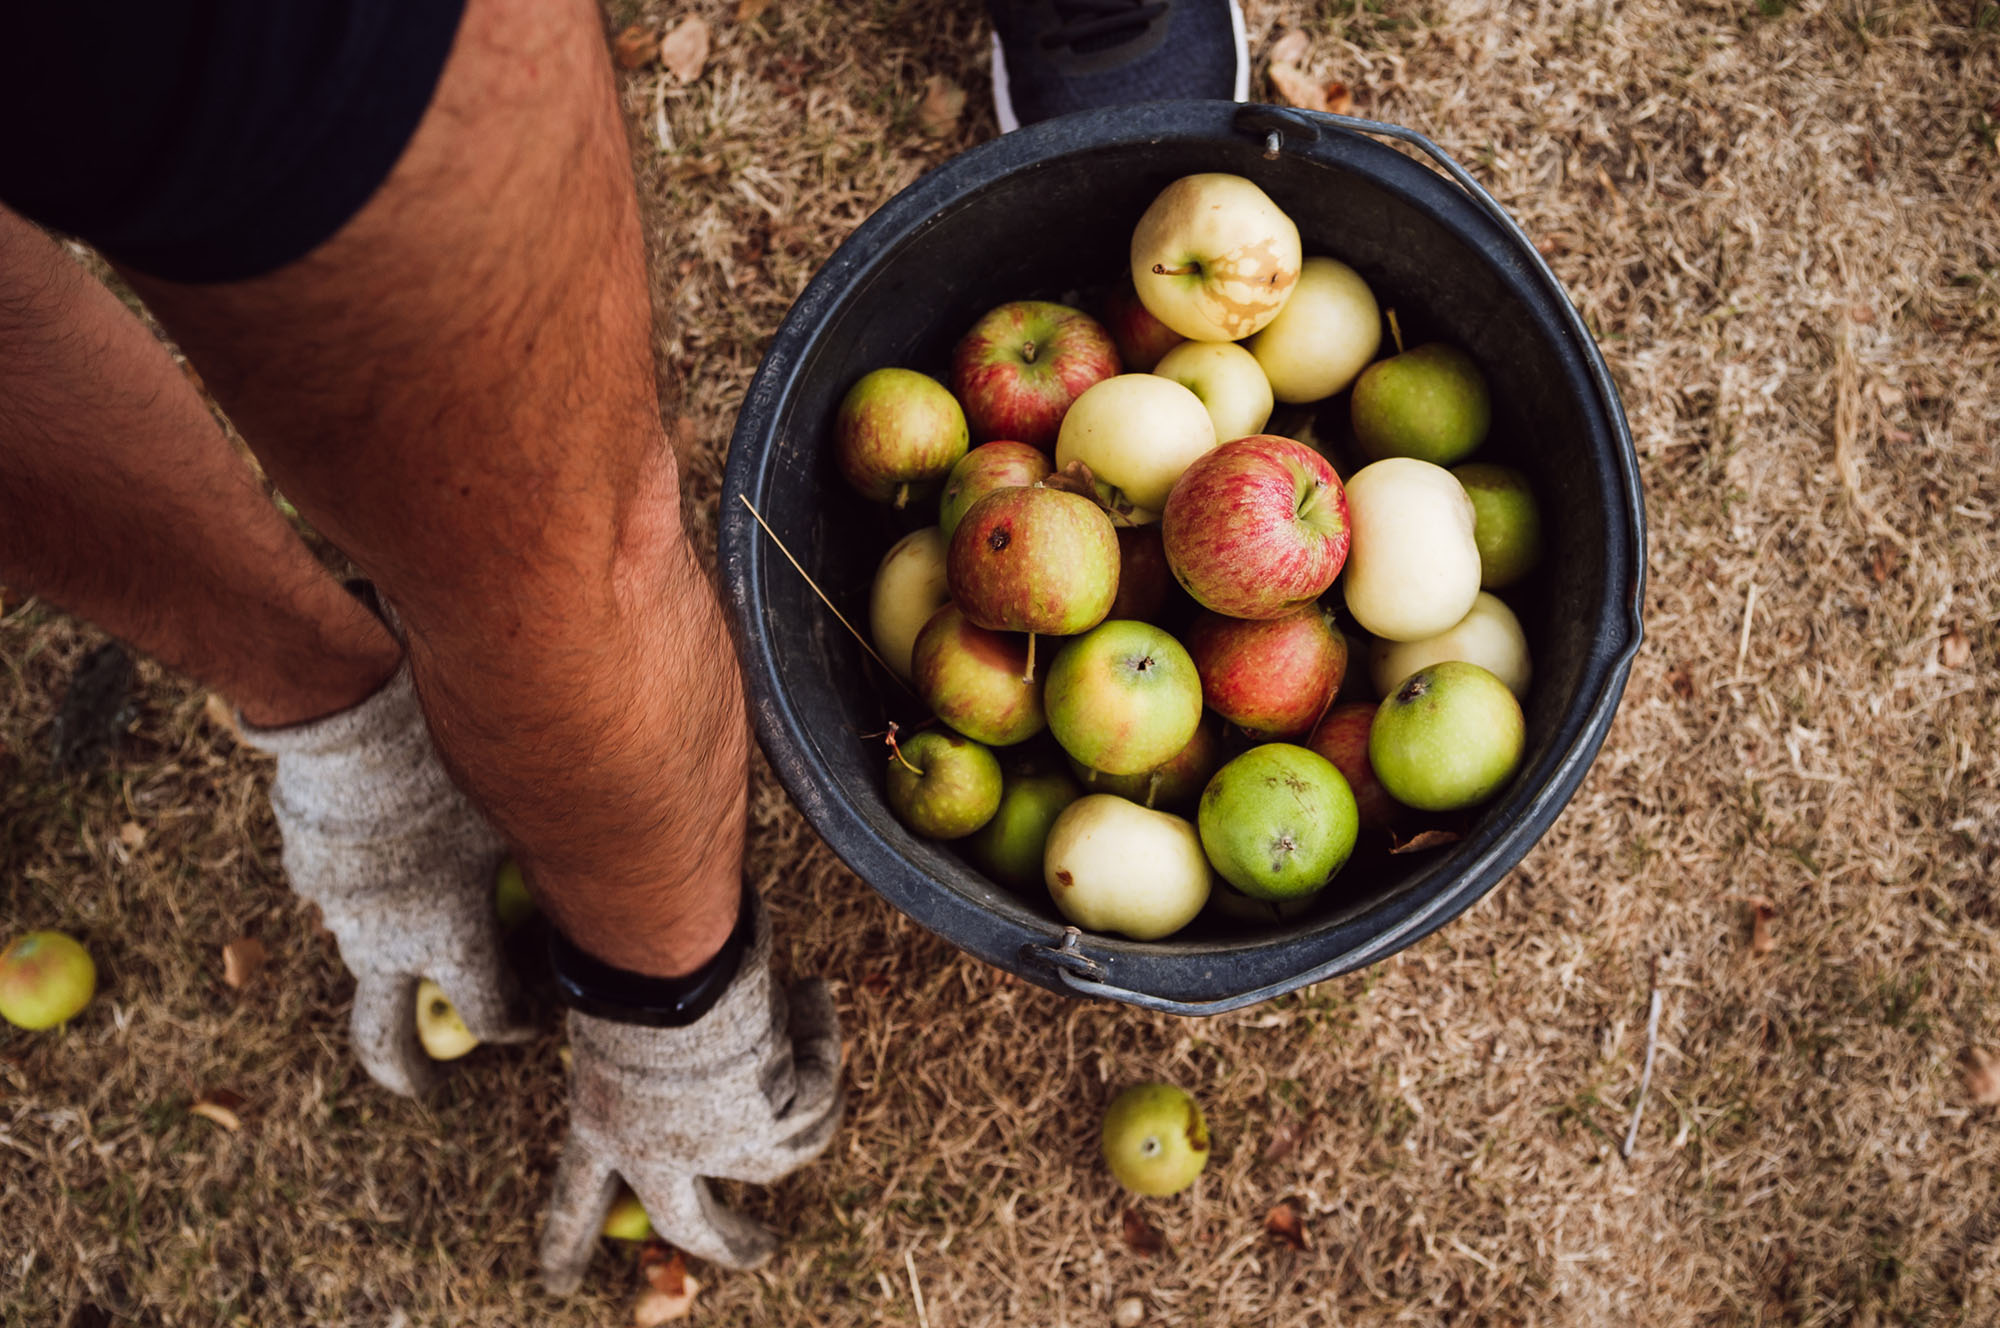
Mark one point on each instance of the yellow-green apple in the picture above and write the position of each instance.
(897, 435)
(1021, 365)
(1278, 821)
(1256, 528)
(440, 1028)
(1342, 738)
(988, 468)
(1154, 1139)
(973, 679)
(511, 901)
(1507, 523)
(909, 587)
(1449, 737)
(1171, 787)
(626, 1219)
(1429, 402)
(1112, 865)
(1034, 560)
(1414, 567)
(1011, 847)
(46, 978)
(943, 785)
(1324, 337)
(1142, 339)
(1214, 258)
(1123, 697)
(1146, 586)
(1489, 635)
(1137, 433)
(1228, 380)
(1273, 677)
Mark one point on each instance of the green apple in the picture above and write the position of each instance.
(1430, 403)
(511, 900)
(1278, 821)
(46, 978)
(1137, 433)
(1229, 381)
(1325, 335)
(1507, 523)
(1112, 865)
(1489, 635)
(909, 587)
(626, 1219)
(897, 434)
(1412, 564)
(1214, 258)
(1012, 846)
(943, 785)
(1123, 698)
(1155, 1139)
(1451, 736)
(439, 1026)
(1171, 787)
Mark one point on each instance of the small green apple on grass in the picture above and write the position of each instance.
(627, 1220)
(1450, 737)
(943, 785)
(1155, 1139)
(440, 1027)
(1278, 821)
(46, 978)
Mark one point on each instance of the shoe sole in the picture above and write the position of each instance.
(1003, 101)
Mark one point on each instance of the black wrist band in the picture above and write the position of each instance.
(596, 988)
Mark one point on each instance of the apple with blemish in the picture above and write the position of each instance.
(1154, 1139)
(440, 1027)
(1256, 528)
(1123, 698)
(988, 468)
(1136, 433)
(1450, 737)
(909, 587)
(1019, 368)
(1112, 865)
(973, 679)
(1271, 677)
(1142, 339)
(1227, 379)
(897, 434)
(1278, 821)
(943, 785)
(46, 978)
(1035, 560)
(1214, 258)
(1342, 738)
(1323, 338)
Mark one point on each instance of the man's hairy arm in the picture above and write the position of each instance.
(458, 390)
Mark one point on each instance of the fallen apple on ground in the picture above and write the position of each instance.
(46, 978)
(1450, 737)
(1257, 528)
(1155, 1139)
(440, 1028)
(897, 435)
(626, 1219)
(1214, 258)
(943, 785)
(1112, 865)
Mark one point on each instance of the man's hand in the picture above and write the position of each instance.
(748, 1092)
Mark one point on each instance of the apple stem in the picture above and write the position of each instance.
(1395, 331)
(1152, 789)
(896, 750)
(1185, 270)
(902, 497)
(1029, 676)
(1028, 352)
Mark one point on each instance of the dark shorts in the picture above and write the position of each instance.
(211, 140)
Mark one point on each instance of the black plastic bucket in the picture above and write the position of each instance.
(1050, 208)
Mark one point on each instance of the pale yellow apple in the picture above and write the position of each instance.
(439, 1026)
(1214, 258)
(1489, 635)
(1325, 335)
(1112, 865)
(1137, 433)
(1413, 567)
(909, 587)
(1229, 381)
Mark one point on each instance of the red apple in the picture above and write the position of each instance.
(897, 435)
(1142, 339)
(986, 469)
(1342, 738)
(972, 678)
(1256, 528)
(1274, 677)
(1034, 560)
(1021, 365)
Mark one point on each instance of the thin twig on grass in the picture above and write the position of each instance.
(1646, 1071)
(916, 1290)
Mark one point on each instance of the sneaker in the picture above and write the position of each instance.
(1051, 57)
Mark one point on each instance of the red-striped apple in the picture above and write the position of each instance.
(1273, 677)
(897, 435)
(1019, 368)
(1256, 528)
(974, 679)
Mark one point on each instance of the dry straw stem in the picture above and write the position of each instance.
(1811, 1152)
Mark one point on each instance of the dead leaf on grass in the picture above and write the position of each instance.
(684, 51)
(1286, 1138)
(1956, 650)
(669, 1293)
(1982, 1076)
(1308, 93)
(943, 103)
(635, 47)
(1141, 1236)
(749, 11)
(242, 959)
(220, 1106)
(1762, 910)
(1282, 1224)
(1425, 839)
(1291, 48)
(1884, 564)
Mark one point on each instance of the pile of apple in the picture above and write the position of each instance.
(1126, 562)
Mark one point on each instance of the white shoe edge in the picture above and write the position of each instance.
(1003, 102)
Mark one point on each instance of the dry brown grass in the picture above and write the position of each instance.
(1784, 222)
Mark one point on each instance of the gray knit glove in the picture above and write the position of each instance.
(749, 1092)
(401, 866)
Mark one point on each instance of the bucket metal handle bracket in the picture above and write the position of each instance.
(1085, 976)
(1068, 957)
